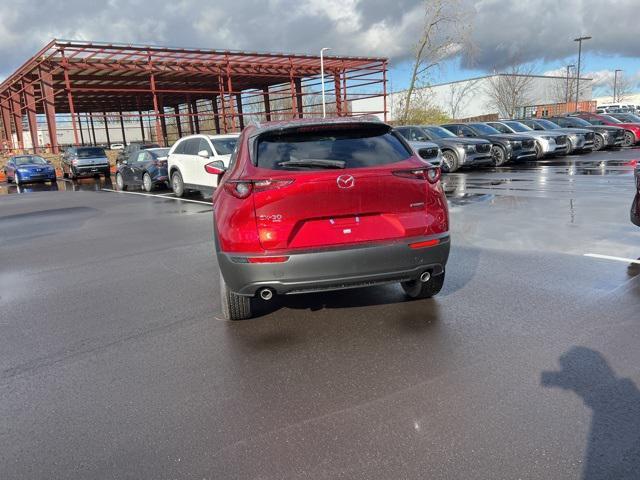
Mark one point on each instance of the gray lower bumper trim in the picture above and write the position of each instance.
(335, 269)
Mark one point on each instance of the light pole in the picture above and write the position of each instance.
(322, 50)
(615, 84)
(579, 40)
(569, 67)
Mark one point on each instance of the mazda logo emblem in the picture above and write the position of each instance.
(346, 181)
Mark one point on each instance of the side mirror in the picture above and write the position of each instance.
(215, 168)
(203, 154)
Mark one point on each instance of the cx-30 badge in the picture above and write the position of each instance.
(346, 181)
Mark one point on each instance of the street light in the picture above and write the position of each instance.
(579, 40)
(569, 67)
(615, 83)
(322, 50)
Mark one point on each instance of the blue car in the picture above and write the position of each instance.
(29, 168)
(145, 168)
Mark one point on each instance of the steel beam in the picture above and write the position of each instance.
(32, 121)
(16, 111)
(141, 121)
(194, 111)
(267, 103)
(124, 135)
(298, 84)
(176, 109)
(163, 121)
(338, 93)
(216, 115)
(106, 128)
(156, 109)
(240, 114)
(48, 102)
(5, 116)
(80, 128)
(93, 129)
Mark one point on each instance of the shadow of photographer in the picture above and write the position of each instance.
(613, 451)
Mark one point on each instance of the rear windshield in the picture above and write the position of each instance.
(224, 146)
(330, 148)
(90, 152)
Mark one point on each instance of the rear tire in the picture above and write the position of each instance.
(177, 184)
(416, 289)
(234, 306)
(499, 155)
(147, 184)
(120, 182)
(449, 161)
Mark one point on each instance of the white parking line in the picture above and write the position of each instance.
(615, 259)
(156, 196)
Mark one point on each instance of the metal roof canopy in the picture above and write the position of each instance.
(73, 78)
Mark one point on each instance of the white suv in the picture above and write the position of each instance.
(188, 157)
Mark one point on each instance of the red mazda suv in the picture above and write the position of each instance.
(318, 205)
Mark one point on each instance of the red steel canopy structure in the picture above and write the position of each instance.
(175, 90)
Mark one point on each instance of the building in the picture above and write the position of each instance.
(74, 86)
(472, 98)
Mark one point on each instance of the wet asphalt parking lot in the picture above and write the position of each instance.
(114, 362)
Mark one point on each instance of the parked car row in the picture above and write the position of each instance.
(499, 142)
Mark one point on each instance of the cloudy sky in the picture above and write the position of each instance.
(504, 31)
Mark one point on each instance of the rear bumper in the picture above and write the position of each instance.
(81, 170)
(336, 269)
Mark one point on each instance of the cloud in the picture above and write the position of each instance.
(504, 31)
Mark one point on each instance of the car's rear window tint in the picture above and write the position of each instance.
(224, 146)
(351, 148)
(90, 152)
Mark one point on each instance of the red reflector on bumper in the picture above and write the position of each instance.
(267, 259)
(426, 243)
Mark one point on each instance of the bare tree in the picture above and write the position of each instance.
(623, 88)
(511, 90)
(563, 90)
(446, 32)
(458, 96)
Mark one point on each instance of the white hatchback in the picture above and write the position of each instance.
(188, 157)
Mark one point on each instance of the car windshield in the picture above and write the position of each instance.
(548, 124)
(337, 147)
(518, 127)
(91, 152)
(611, 119)
(501, 127)
(577, 122)
(485, 129)
(158, 152)
(440, 132)
(628, 117)
(224, 146)
(29, 160)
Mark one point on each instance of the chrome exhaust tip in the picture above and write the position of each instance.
(266, 294)
(425, 277)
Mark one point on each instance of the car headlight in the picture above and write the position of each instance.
(23, 170)
(547, 138)
(517, 143)
(470, 148)
(604, 133)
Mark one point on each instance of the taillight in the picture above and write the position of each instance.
(243, 188)
(425, 244)
(432, 174)
(267, 259)
(239, 189)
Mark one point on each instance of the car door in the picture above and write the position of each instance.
(200, 175)
(136, 166)
(187, 160)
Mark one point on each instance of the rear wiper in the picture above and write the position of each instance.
(313, 162)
